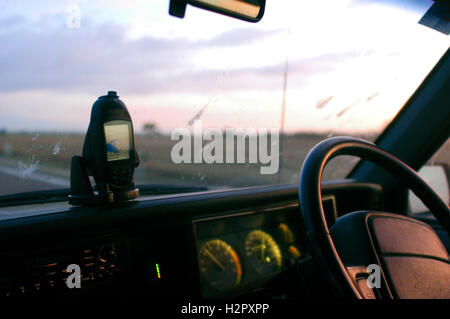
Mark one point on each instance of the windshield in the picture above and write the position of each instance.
(308, 70)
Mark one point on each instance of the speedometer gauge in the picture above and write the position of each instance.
(219, 265)
(263, 252)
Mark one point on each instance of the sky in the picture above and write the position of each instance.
(352, 64)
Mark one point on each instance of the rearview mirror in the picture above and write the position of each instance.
(248, 10)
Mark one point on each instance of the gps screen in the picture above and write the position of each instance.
(117, 136)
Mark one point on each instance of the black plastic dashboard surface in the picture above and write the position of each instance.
(156, 231)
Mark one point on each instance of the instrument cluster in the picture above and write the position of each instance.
(238, 252)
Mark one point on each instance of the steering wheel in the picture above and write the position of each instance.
(369, 254)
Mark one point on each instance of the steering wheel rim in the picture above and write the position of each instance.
(317, 232)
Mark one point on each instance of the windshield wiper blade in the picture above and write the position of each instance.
(60, 195)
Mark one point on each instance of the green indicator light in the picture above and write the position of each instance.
(158, 274)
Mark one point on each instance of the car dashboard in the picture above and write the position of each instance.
(237, 252)
(215, 244)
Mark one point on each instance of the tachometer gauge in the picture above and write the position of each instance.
(263, 252)
(219, 265)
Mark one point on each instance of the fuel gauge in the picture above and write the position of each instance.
(294, 253)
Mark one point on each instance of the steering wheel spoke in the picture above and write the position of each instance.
(362, 280)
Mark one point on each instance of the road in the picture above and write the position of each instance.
(11, 182)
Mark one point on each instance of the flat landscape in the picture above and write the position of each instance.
(42, 161)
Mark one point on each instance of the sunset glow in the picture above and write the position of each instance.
(365, 59)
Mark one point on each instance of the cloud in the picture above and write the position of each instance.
(11, 21)
(242, 36)
(411, 5)
(50, 56)
(80, 59)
